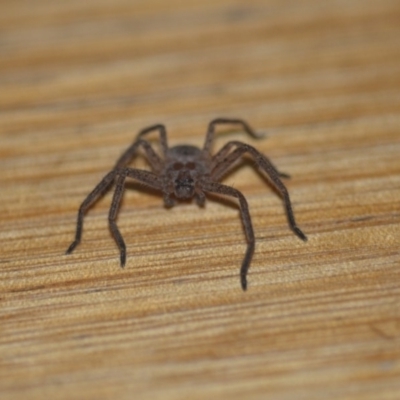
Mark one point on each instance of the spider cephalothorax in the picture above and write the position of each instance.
(184, 172)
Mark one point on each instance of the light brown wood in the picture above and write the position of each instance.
(320, 320)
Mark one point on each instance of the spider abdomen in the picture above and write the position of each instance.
(184, 151)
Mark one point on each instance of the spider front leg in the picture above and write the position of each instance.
(220, 163)
(219, 188)
(93, 196)
(143, 176)
(112, 216)
(265, 164)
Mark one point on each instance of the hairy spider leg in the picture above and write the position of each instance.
(219, 121)
(92, 197)
(162, 132)
(146, 177)
(106, 182)
(273, 174)
(128, 155)
(152, 156)
(112, 216)
(219, 160)
(219, 188)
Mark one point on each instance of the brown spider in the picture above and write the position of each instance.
(185, 172)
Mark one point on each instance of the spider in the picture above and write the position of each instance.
(185, 172)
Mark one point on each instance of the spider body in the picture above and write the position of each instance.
(184, 172)
(184, 167)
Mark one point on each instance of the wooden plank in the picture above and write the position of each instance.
(319, 319)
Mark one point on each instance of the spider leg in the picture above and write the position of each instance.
(221, 155)
(162, 132)
(93, 196)
(218, 121)
(101, 188)
(143, 176)
(146, 177)
(220, 163)
(112, 215)
(219, 188)
(265, 164)
(152, 157)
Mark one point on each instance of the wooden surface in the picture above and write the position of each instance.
(320, 320)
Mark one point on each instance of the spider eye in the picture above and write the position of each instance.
(190, 165)
(177, 166)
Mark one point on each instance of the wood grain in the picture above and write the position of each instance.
(319, 320)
